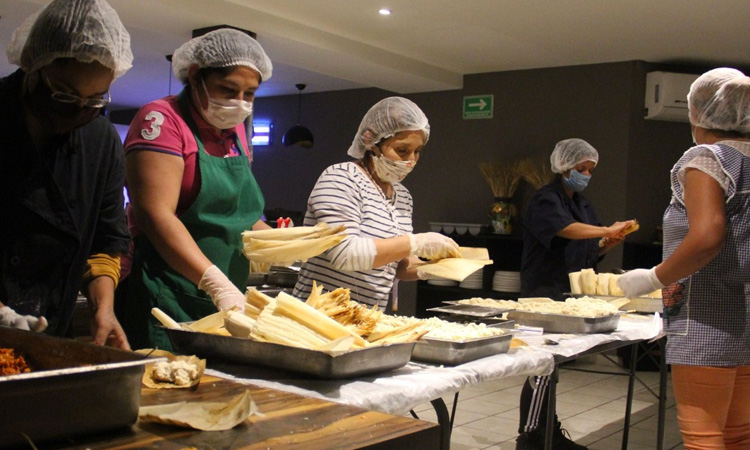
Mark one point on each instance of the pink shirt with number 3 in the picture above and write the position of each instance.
(158, 127)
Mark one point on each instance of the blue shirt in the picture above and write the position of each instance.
(547, 258)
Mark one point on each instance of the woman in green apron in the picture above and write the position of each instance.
(191, 188)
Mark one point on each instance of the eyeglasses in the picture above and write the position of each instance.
(64, 97)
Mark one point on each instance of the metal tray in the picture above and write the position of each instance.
(74, 389)
(560, 323)
(638, 304)
(468, 310)
(320, 364)
(441, 351)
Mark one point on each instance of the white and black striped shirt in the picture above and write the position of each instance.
(345, 195)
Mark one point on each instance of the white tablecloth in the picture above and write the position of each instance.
(400, 390)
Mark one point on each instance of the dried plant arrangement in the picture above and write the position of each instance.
(536, 172)
(503, 177)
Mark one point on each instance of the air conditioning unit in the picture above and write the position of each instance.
(666, 96)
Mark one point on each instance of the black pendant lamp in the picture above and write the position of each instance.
(298, 135)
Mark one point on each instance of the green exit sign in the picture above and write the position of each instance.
(478, 106)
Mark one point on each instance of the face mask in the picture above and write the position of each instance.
(392, 171)
(577, 181)
(57, 117)
(225, 113)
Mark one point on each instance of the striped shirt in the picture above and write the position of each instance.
(345, 195)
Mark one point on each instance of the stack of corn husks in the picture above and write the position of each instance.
(326, 321)
(283, 246)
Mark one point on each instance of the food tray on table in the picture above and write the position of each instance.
(638, 304)
(73, 389)
(442, 351)
(321, 364)
(561, 323)
(468, 310)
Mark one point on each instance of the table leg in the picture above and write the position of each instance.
(445, 422)
(629, 401)
(663, 369)
(551, 407)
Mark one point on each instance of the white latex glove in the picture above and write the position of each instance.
(433, 246)
(223, 292)
(638, 282)
(10, 318)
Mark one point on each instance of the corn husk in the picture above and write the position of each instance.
(456, 269)
(149, 381)
(294, 233)
(202, 415)
(286, 252)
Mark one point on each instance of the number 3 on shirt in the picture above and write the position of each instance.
(154, 129)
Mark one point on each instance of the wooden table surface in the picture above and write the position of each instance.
(289, 421)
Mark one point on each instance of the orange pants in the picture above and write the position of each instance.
(713, 406)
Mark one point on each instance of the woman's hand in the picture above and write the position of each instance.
(433, 246)
(106, 330)
(639, 282)
(617, 230)
(223, 292)
(10, 318)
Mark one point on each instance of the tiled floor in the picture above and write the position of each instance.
(591, 407)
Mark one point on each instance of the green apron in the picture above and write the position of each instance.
(228, 203)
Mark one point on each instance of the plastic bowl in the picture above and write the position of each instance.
(462, 228)
(436, 226)
(448, 228)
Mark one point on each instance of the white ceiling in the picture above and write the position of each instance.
(425, 45)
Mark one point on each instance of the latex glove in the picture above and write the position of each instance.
(223, 292)
(638, 282)
(10, 318)
(433, 246)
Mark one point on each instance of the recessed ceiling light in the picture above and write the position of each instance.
(385, 12)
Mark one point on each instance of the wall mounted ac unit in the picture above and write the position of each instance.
(666, 96)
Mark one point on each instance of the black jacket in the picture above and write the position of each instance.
(58, 206)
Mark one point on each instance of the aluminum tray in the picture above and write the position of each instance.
(469, 310)
(320, 364)
(560, 323)
(74, 389)
(440, 351)
(638, 304)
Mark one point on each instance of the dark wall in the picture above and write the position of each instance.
(534, 109)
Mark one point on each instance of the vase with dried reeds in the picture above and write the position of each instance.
(503, 178)
(536, 172)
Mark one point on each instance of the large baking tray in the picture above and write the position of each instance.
(468, 310)
(648, 305)
(560, 323)
(452, 353)
(74, 389)
(236, 350)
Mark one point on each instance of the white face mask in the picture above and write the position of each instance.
(392, 171)
(225, 113)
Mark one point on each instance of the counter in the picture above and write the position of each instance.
(288, 421)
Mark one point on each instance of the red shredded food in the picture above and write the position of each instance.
(10, 364)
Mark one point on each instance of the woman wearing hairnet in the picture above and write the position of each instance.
(191, 188)
(367, 197)
(562, 235)
(706, 269)
(63, 225)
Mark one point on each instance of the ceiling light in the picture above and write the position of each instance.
(298, 135)
(385, 12)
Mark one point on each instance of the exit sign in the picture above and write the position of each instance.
(478, 106)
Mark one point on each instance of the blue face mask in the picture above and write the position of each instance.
(577, 181)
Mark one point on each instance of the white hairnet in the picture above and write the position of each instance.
(224, 47)
(86, 30)
(386, 118)
(571, 152)
(720, 100)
